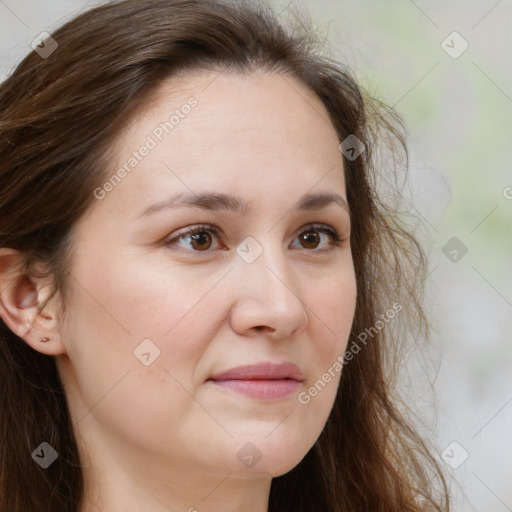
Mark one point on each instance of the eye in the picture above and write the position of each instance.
(314, 234)
(201, 238)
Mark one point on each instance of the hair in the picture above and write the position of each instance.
(59, 117)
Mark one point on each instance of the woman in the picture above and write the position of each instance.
(201, 291)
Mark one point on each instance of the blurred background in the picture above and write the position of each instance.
(445, 66)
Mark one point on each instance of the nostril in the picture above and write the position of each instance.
(261, 328)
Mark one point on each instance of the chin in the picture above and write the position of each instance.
(274, 454)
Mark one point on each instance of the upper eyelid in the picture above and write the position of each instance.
(340, 223)
(218, 231)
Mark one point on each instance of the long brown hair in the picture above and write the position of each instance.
(58, 117)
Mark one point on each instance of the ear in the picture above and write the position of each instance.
(21, 297)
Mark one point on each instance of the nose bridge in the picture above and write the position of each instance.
(269, 279)
(267, 297)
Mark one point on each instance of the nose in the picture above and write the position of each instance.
(268, 297)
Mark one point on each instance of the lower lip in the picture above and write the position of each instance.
(268, 390)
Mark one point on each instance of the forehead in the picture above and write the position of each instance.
(240, 132)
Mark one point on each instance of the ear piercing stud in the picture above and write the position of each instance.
(44, 339)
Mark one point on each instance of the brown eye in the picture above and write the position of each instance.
(201, 240)
(197, 239)
(310, 239)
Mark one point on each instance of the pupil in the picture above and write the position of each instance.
(311, 237)
(201, 238)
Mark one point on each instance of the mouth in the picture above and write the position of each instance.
(264, 381)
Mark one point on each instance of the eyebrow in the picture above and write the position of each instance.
(231, 203)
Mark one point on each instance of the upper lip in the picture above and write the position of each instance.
(261, 371)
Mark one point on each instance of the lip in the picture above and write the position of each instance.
(261, 371)
(263, 381)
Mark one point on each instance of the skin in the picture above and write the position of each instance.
(161, 437)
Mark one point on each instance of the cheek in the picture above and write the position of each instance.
(332, 314)
(110, 384)
(112, 309)
(160, 300)
(332, 308)
(131, 301)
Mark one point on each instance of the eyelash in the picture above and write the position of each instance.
(335, 237)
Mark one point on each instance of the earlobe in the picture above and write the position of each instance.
(20, 299)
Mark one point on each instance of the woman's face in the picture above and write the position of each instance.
(154, 312)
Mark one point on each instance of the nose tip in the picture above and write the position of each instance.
(268, 304)
(273, 331)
